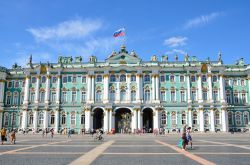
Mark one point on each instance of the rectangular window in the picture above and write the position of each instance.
(9, 84)
(17, 84)
(172, 78)
(234, 82)
(32, 97)
(243, 96)
(83, 96)
(74, 79)
(182, 96)
(204, 95)
(133, 95)
(83, 79)
(181, 78)
(54, 79)
(69, 78)
(192, 78)
(8, 100)
(215, 95)
(73, 96)
(53, 97)
(15, 100)
(163, 96)
(133, 78)
(42, 97)
(228, 95)
(64, 97)
(172, 96)
(64, 79)
(227, 82)
(236, 99)
(242, 82)
(193, 95)
(162, 79)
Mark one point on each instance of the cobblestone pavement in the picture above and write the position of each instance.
(223, 149)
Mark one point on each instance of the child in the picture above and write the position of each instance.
(13, 137)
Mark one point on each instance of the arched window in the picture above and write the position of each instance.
(217, 117)
(63, 119)
(133, 78)
(112, 78)
(183, 118)
(172, 96)
(40, 118)
(173, 118)
(206, 118)
(73, 118)
(147, 78)
(163, 95)
(195, 117)
(182, 78)
(13, 120)
(42, 97)
(15, 98)
(122, 78)
(99, 78)
(6, 119)
(73, 98)
(98, 95)
(43, 79)
(133, 95)
(163, 118)
(192, 78)
(238, 118)
(33, 79)
(147, 95)
(8, 98)
(82, 119)
(246, 118)
(123, 95)
(31, 119)
(172, 78)
(112, 95)
(52, 119)
(230, 118)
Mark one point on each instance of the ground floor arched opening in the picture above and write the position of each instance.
(123, 119)
(98, 118)
(148, 120)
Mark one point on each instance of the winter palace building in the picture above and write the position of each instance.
(125, 93)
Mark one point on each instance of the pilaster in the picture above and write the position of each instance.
(201, 110)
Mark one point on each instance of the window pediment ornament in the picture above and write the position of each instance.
(133, 88)
(163, 88)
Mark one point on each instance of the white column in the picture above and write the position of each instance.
(139, 88)
(89, 83)
(224, 119)
(93, 89)
(26, 90)
(1, 118)
(37, 89)
(105, 118)
(190, 117)
(153, 88)
(58, 89)
(188, 89)
(201, 120)
(35, 121)
(222, 89)
(139, 119)
(24, 120)
(106, 88)
(87, 119)
(210, 89)
(1, 93)
(57, 121)
(128, 92)
(212, 119)
(110, 119)
(46, 117)
(199, 89)
(156, 119)
(134, 120)
(47, 94)
(157, 98)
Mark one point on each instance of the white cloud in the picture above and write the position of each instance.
(72, 29)
(201, 20)
(176, 51)
(175, 41)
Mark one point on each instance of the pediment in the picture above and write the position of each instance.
(122, 57)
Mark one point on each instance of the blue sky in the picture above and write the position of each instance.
(47, 29)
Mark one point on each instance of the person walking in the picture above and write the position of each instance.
(13, 137)
(189, 137)
(184, 140)
(3, 135)
(52, 133)
(69, 133)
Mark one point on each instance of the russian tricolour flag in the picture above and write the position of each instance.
(120, 32)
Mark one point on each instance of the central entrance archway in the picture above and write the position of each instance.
(148, 120)
(123, 120)
(98, 118)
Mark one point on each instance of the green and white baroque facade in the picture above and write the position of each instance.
(124, 92)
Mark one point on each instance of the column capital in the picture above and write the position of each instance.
(27, 77)
(38, 76)
(59, 76)
(222, 75)
(105, 75)
(248, 78)
(209, 75)
(48, 76)
(201, 109)
(189, 109)
(212, 109)
(108, 109)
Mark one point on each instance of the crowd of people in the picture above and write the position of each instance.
(5, 134)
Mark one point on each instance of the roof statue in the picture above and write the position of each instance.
(78, 59)
(123, 49)
(187, 57)
(133, 53)
(219, 57)
(154, 58)
(176, 57)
